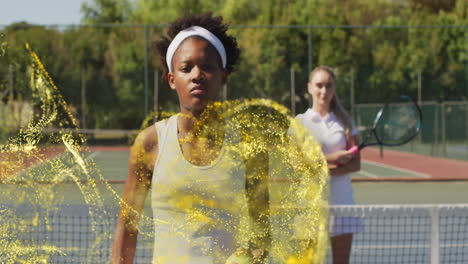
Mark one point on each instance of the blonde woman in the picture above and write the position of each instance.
(335, 131)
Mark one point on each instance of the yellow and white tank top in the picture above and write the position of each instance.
(198, 211)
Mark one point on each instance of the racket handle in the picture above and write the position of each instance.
(354, 149)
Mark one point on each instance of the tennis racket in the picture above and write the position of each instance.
(396, 123)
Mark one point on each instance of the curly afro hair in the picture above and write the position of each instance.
(213, 24)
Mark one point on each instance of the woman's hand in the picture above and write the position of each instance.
(344, 161)
(340, 157)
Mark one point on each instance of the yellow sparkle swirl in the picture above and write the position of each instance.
(281, 209)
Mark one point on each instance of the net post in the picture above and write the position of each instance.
(435, 246)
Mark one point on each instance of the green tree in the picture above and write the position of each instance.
(384, 56)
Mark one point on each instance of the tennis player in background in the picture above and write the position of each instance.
(335, 131)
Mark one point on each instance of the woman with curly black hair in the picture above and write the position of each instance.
(190, 175)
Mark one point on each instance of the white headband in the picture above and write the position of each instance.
(195, 31)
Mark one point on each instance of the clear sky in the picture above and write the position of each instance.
(41, 11)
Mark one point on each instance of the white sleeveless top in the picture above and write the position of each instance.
(329, 132)
(186, 198)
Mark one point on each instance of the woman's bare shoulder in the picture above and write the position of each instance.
(145, 148)
(147, 139)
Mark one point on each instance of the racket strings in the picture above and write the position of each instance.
(398, 123)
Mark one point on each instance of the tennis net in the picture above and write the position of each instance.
(408, 233)
(390, 234)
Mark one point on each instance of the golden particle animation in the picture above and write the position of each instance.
(291, 228)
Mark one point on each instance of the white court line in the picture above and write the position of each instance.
(92, 155)
(368, 174)
(417, 174)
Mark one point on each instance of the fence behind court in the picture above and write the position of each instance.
(110, 74)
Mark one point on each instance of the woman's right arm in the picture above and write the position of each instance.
(140, 169)
(339, 157)
(350, 162)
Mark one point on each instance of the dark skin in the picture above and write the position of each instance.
(197, 78)
(140, 169)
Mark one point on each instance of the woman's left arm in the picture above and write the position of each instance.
(352, 166)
